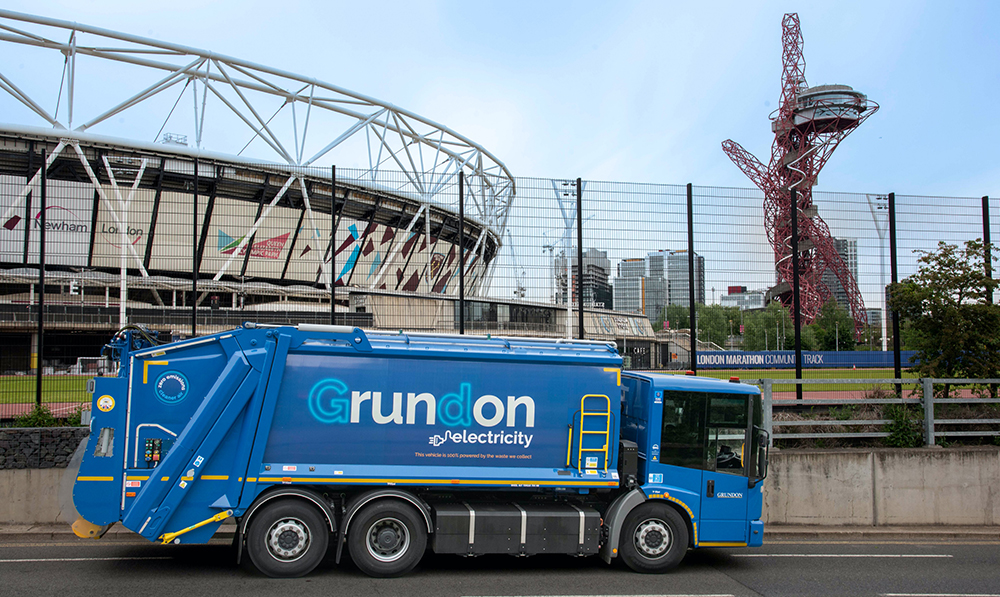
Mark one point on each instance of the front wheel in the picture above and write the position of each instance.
(387, 539)
(287, 539)
(654, 538)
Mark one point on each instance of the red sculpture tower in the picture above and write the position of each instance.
(808, 125)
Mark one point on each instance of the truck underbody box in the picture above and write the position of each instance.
(476, 529)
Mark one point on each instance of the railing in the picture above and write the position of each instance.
(930, 422)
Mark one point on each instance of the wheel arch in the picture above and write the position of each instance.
(365, 498)
(306, 494)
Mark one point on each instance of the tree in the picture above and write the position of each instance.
(768, 329)
(679, 317)
(953, 324)
(833, 324)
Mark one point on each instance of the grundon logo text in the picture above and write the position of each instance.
(330, 401)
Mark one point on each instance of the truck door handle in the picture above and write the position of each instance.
(710, 488)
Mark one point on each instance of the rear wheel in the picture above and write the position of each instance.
(654, 538)
(387, 538)
(287, 539)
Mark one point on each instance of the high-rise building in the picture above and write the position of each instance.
(677, 278)
(596, 270)
(647, 285)
(847, 248)
(630, 286)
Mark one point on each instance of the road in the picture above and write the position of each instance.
(900, 568)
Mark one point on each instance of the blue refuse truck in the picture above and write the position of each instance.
(385, 445)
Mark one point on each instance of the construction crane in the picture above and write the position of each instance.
(808, 125)
(519, 273)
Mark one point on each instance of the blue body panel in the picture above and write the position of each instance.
(234, 413)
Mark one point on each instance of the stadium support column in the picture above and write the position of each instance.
(796, 306)
(461, 252)
(579, 255)
(194, 255)
(693, 309)
(894, 274)
(41, 285)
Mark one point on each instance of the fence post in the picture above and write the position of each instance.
(988, 258)
(928, 385)
(896, 340)
(333, 244)
(765, 391)
(796, 304)
(461, 252)
(579, 256)
(194, 255)
(41, 284)
(693, 332)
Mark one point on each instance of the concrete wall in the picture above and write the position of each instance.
(876, 487)
(864, 487)
(32, 496)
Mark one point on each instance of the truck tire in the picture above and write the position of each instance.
(387, 538)
(287, 539)
(654, 538)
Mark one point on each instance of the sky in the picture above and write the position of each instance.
(637, 91)
(629, 91)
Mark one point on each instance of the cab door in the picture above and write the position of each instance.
(725, 496)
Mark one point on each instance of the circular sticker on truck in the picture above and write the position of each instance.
(105, 403)
(171, 387)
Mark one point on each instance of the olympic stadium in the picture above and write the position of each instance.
(197, 162)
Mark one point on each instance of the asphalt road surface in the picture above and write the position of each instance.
(891, 569)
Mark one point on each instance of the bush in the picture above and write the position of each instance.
(40, 416)
(904, 430)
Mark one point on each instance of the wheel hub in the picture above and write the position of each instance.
(652, 538)
(288, 539)
(388, 539)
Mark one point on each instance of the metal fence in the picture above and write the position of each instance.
(972, 411)
(187, 247)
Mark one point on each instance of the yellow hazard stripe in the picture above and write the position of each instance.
(135, 478)
(722, 544)
(215, 477)
(95, 478)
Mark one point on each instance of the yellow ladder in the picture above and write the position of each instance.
(584, 414)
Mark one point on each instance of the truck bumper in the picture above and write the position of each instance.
(756, 534)
(88, 530)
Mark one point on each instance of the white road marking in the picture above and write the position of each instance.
(838, 555)
(35, 560)
(939, 594)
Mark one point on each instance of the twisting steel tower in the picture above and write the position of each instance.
(808, 125)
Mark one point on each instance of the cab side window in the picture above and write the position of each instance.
(682, 438)
(727, 426)
(703, 430)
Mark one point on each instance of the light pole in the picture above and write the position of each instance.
(874, 205)
(836, 327)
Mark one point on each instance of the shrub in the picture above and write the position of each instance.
(904, 430)
(40, 416)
